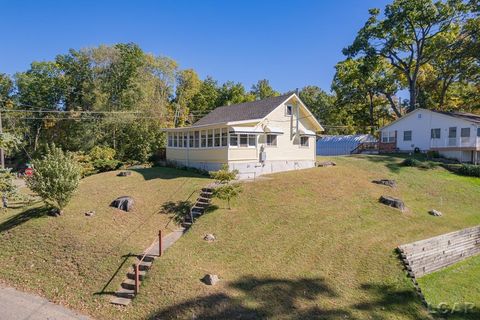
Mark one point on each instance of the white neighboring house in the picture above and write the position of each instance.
(452, 134)
(258, 137)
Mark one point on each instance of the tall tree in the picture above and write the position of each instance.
(262, 89)
(406, 35)
(232, 93)
(188, 85)
(6, 90)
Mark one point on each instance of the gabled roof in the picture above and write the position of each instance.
(243, 111)
(461, 115)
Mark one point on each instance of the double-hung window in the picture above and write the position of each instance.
(204, 138)
(304, 141)
(435, 133)
(271, 140)
(407, 135)
(210, 138)
(196, 139)
(170, 139)
(243, 140)
(233, 140)
(217, 136)
(224, 137)
(190, 139)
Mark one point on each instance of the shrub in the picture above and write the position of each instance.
(433, 154)
(55, 177)
(227, 190)
(85, 163)
(410, 162)
(103, 159)
(470, 170)
(224, 175)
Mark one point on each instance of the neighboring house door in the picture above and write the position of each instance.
(452, 136)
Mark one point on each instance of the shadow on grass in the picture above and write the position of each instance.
(125, 259)
(167, 173)
(179, 209)
(393, 161)
(273, 298)
(282, 298)
(24, 216)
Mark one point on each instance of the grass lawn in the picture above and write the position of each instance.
(454, 287)
(310, 244)
(305, 244)
(76, 260)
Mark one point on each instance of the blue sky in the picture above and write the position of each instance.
(291, 43)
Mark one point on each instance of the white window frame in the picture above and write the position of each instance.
(273, 143)
(433, 133)
(302, 144)
(287, 112)
(411, 135)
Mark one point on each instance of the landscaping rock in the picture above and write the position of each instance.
(393, 202)
(210, 279)
(90, 213)
(435, 213)
(56, 212)
(124, 203)
(386, 182)
(209, 237)
(124, 173)
(326, 164)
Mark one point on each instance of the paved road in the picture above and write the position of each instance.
(17, 305)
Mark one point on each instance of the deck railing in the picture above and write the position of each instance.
(457, 142)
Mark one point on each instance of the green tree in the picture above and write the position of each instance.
(262, 90)
(188, 85)
(6, 90)
(205, 100)
(226, 189)
(407, 34)
(55, 177)
(233, 93)
(40, 88)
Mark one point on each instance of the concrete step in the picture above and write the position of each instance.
(131, 275)
(121, 301)
(128, 284)
(125, 293)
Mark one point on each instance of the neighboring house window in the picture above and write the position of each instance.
(452, 132)
(210, 139)
(304, 141)
(478, 132)
(435, 133)
(204, 138)
(271, 140)
(407, 135)
(465, 132)
(419, 116)
(217, 137)
(289, 110)
(233, 140)
(224, 137)
(244, 140)
(197, 139)
(388, 136)
(252, 140)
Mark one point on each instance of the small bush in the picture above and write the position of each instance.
(55, 177)
(103, 159)
(410, 162)
(433, 154)
(470, 170)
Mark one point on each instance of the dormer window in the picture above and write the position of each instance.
(289, 110)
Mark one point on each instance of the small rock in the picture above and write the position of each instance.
(124, 203)
(386, 182)
(209, 237)
(210, 279)
(435, 213)
(90, 213)
(326, 164)
(124, 173)
(393, 202)
(55, 212)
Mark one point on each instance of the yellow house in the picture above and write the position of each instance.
(255, 138)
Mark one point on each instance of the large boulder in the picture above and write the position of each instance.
(124, 203)
(124, 173)
(386, 182)
(393, 202)
(210, 279)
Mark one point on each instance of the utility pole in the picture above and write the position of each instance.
(2, 154)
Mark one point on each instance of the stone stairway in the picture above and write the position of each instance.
(125, 294)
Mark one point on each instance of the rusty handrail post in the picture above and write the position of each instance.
(137, 278)
(160, 244)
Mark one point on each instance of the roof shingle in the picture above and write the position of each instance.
(462, 115)
(242, 111)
